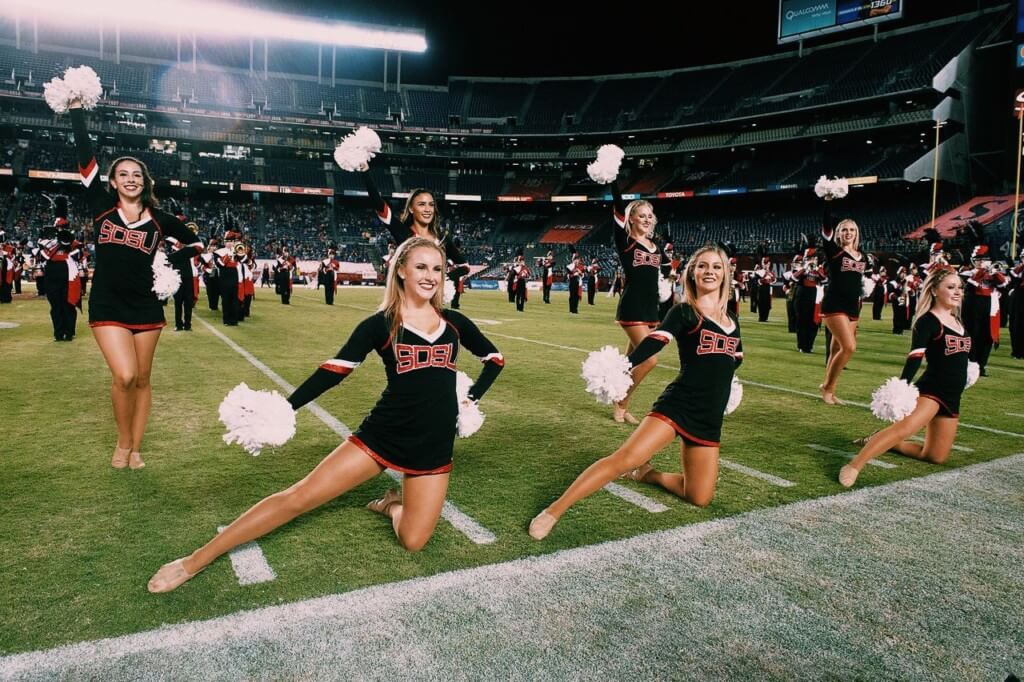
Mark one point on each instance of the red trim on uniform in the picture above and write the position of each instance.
(846, 315)
(388, 465)
(929, 396)
(628, 323)
(105, 213)
(123, 325)
(682, 432)
(337, 369)
(385, 215)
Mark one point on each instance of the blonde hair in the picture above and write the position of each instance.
(634, 206)
(690, 281)
(394, 291)
(435, 223)
(926, 300)
(856, 235)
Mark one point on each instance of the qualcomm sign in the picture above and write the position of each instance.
(800, 16)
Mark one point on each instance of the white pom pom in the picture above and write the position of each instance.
(735, 396)
(867, 287)
(449, 291)
(57, 95)
(470, 417)
(256, 419)
(356, 149)
(973, 372)
(166, 279)
(605, 168)
(894, 400)
(823, 187)
(606, 372)
(83, 84)
(840, 188)
(664, 289)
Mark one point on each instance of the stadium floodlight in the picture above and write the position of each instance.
(208, 18)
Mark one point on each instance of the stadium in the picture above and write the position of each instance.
(287, 143)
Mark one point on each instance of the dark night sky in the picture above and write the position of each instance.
(520, 39)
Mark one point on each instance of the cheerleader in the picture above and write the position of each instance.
(592, 271)
(419, 218)
(983, 284)
(940, 338)
(265, 276)
(765, 278)
(125, 314)
(641, 261)
(411, 429)
(548, 274)
(807, 280)
(691, 407)
(619, 284)
(840, 308)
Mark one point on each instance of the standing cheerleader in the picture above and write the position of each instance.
(940, 338)
(840, 307)
(641, 260)
(125, 314)
(411, 428)
(691, 407)
(548, 274)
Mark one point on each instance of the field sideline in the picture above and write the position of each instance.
(81, 539)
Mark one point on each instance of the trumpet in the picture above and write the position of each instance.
(240, 249)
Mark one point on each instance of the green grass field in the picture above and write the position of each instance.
(79, 540)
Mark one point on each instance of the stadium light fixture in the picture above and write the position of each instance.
(216, 19)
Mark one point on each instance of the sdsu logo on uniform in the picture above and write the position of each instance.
(850, 265)
(412, 357)
(641, 257)
(713, 342)
(116, 234)
(958, 344)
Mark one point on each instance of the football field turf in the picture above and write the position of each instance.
(80, 539)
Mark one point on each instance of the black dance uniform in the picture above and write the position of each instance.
(845, 275)
(947, 352)
(412, 427)
(638, 305)
(402, 230)
(122, 287)
(694, 403)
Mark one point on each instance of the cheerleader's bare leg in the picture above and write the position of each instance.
(414, 514)
(145, 349)
(119, 353)
(636, 334)
(892, 437)
(650, 437)
(345, 468)
(938, 441)
(844, 344)
(697, 483)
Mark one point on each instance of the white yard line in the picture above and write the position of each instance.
(849, 455)
(769, 478)
(249, 564)
(633, 497)
(462, 522)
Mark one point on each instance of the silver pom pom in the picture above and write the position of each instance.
(867, 287)
(449, 291)
(607, 373)
(57, 95)
(256, 419)
(470, 417)
(894, 400)
(834, 189)
(735, 396)
(605, 168)
(166, 279)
